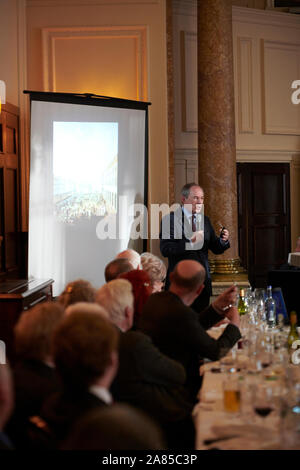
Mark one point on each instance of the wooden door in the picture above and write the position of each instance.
(263, 218)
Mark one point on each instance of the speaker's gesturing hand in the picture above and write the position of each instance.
(198, 237)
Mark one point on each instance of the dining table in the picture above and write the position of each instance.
(218, 428)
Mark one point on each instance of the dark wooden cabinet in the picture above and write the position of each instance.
(10, 255)
(15, 296)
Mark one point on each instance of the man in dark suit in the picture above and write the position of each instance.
(179, 332)
(34, 375)
(85, 354)
(188, 234)
(146, 378)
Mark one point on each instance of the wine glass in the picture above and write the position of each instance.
(260, 302)
(263, 400)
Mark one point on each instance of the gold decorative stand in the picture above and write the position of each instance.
(226, 272)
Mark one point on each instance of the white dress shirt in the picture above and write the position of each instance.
(102, 393)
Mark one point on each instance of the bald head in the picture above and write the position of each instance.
(132, 256)
(188, 275)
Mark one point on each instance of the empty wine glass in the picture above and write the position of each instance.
(260, 302)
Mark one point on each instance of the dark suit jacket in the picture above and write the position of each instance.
(179, 332)
(63, 409)
(150, 380)
(34, 381)
(174, 242)
(5, 443)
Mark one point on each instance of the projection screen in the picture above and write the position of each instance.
(88, 167)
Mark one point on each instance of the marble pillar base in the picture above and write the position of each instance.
(219, 286)
(226, 266)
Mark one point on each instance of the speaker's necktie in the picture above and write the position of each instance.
(194, 223)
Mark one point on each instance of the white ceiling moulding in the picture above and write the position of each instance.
(51, 36)
(265, 17)
(261, 156)
(185, 7)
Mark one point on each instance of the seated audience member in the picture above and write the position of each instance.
(86, 307)
(34, 373)
(132, 256)
(120, 427)
(141, 288)
(117, 267)
(179, 332)
(85, 353)
(156, 270)
(146, 378)
(6, 404)
(77, 291)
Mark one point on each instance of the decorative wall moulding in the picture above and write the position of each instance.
(265, 17)
(185, 7)
(86, 3)
(245, 85)
(186, 154)
(188, 68)
(280, 67)
(260, 156)
(138, 34)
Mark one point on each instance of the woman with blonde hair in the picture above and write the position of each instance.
(156, 270)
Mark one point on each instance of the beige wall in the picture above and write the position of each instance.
(9, 49)
(266, 61)
(114, 48)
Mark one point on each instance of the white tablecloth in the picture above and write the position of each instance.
(212, 422)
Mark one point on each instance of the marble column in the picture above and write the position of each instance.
(216, 125)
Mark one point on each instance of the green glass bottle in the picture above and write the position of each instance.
(293, 334)
(242, 307)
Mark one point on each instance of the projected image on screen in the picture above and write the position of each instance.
(85, 170)
(85, 157)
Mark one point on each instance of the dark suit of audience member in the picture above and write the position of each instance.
(146, 378)
(5, 443)
(118, 427)
(154, 383)
(34, 381)
(179, 332)
(149, 379)
(62, 410)
(6, 404)
(34, 373)
(85, 353)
